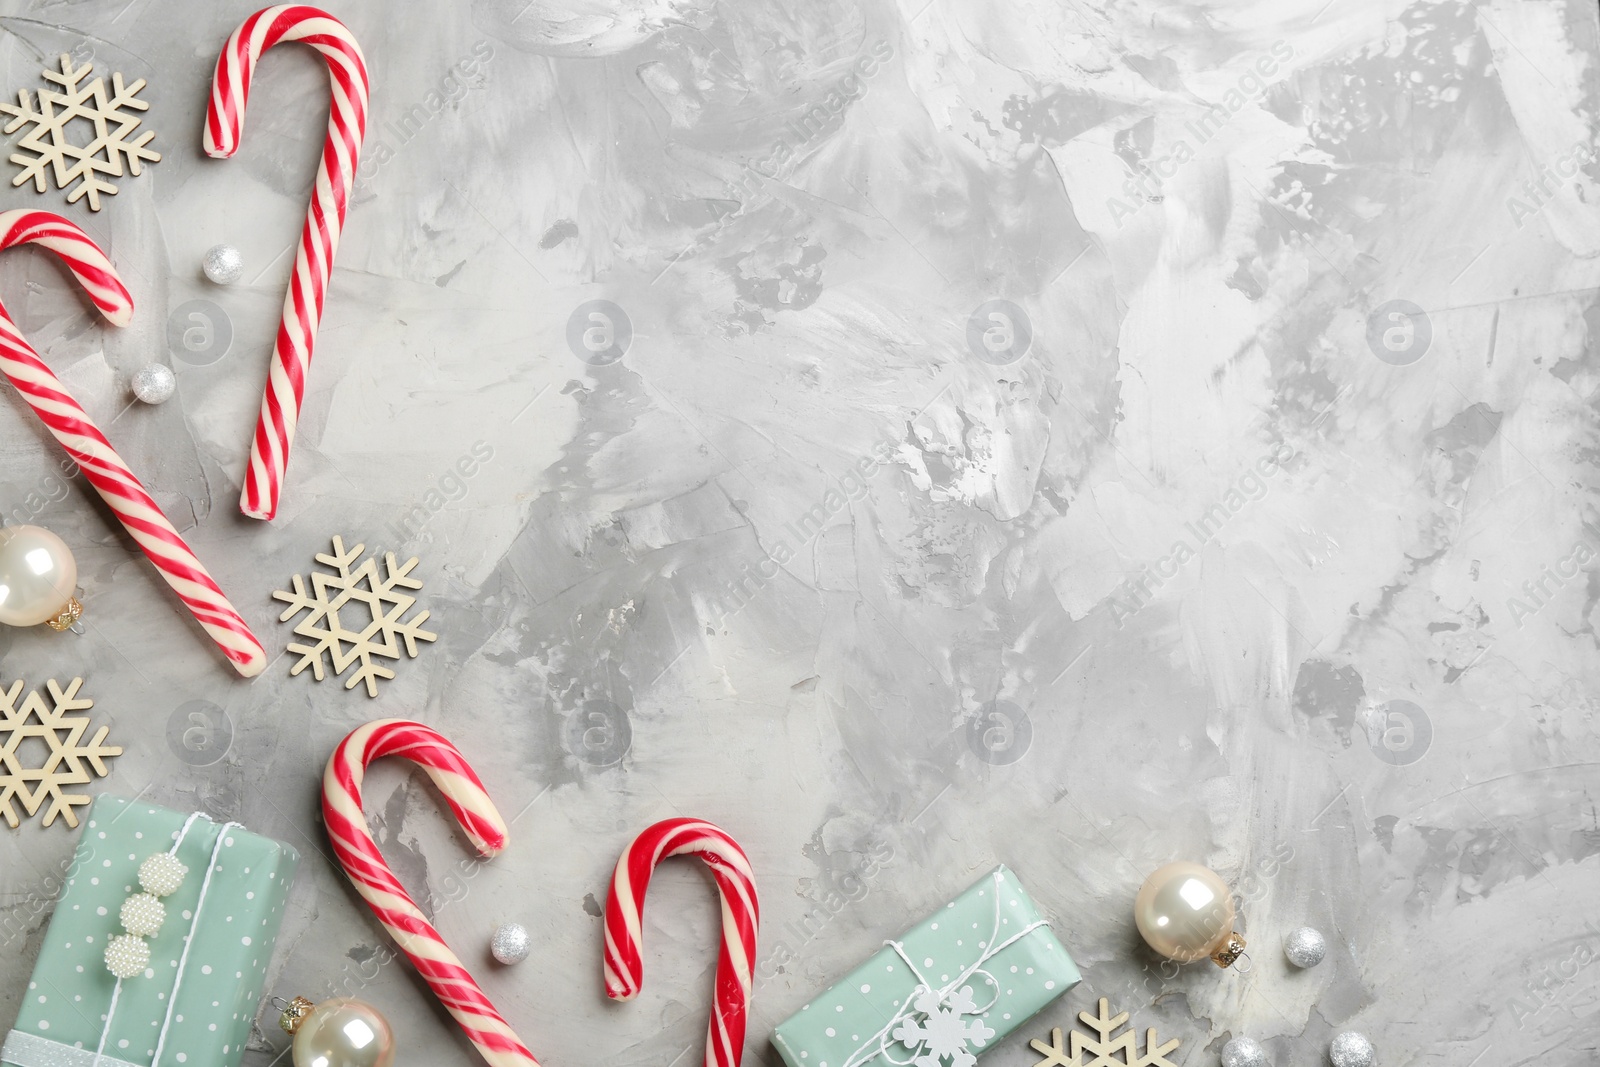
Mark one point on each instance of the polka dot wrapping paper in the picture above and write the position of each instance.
(954, 984)
(223, 977)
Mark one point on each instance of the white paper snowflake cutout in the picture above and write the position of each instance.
(941, 1030)
(78, 169)
(355, 615)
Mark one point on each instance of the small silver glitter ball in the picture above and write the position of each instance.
(1244, 1052)
(509, 943)
(154, 383)
(223, 264)
(1305, 947)
(1350, 1049)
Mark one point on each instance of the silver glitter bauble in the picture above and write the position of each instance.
(154, 383)
(223, 264)
(1244, 1052)
(1350, 1049)
(1305, 947)
(509, 943)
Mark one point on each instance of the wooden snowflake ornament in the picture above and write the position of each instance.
(1103, 1051)
(354, 615)
(46, 150)
(61, 764)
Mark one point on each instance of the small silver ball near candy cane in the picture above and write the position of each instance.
(154, 383)
(364, 865)
(510, 943)
(223, 264)
(319, 240)
(741, 916)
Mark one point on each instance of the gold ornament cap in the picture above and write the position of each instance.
(68, 618)
(295, 1014)
(1232, 948)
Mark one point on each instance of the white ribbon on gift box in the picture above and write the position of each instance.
(867, 1052)
(31, 1050)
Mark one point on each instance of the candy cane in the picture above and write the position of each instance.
(85, 443)
(302, 306)
(741, 914)
(362, 862)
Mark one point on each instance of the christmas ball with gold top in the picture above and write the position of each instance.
(1185, 912)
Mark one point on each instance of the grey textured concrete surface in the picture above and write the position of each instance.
(1069, 435)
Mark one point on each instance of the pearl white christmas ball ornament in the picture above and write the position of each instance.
(1244, 1052)
(1351, 1049)
(223, 264)
(127, 956)
(343, 1032)
(142, 915)
(1305, 947)
(510, 943)
(1185, 912)
(161, 875)
(37, 578)
(154, 383)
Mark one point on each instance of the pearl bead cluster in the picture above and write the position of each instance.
(143, 913)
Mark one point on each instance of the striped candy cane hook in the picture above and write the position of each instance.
(364, 865)
(319, 241)
(84, 442)
(741, 914)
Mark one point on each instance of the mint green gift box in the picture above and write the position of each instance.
(957, 982)
(64, 1010)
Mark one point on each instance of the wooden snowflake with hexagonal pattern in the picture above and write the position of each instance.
(1106, 1050)
(48, 149)
(42, 751)
(354, 614)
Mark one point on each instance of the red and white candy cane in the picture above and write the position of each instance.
(362, 862)
(319, 241)
(85, 443)
(741, 915)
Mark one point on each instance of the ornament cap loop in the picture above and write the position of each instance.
(1232, 948)
(295, 1014)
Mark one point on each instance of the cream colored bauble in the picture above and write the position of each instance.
(38, 578)
(1185, 912)
(342, 1032)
